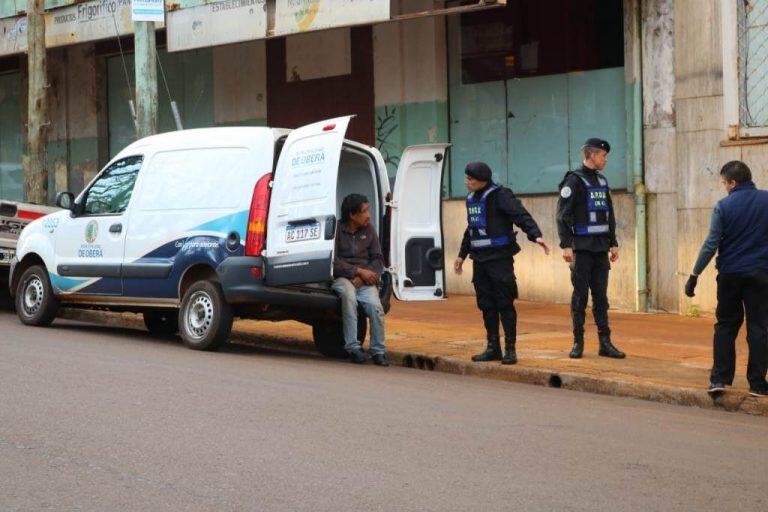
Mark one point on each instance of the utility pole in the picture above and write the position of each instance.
(35, 173)
(146, 78)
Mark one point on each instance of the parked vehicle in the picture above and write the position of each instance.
(193, 228)
(14, 216)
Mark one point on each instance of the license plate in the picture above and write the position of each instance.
(302, 233)
(6, 255)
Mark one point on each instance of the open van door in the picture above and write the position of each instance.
(301, 228)
(416, 249)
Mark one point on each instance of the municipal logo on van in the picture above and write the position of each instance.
(91, 231)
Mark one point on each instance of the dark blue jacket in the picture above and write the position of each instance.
(744, 243)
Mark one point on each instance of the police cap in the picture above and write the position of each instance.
(479, 171)
(597, 144)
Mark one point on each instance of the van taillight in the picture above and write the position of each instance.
(257, 217)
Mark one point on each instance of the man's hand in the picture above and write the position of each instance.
(543, 245)
(568, 255)
(457, 266)
(356, 282)
(690, 286)
(614, 254)
(367, 276)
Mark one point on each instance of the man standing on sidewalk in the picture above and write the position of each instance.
(739, 234)
(587, 228)
(492, 212)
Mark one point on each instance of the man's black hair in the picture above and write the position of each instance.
(352, 204)
(737, 171)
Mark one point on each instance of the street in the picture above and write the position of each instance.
(97, 418)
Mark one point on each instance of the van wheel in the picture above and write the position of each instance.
(329, 336)
(161, 323)
(205, 318)
(35, 302)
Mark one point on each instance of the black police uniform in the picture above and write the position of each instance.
(492, 250)
(586, 223)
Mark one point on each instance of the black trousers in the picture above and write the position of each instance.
(736, 294)
(589, 271)
(496, 291)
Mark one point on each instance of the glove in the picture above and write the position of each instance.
(690, 286)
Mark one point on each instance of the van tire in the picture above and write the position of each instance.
(161, 323)
(35, 303)
(329, 336)
(205, 317)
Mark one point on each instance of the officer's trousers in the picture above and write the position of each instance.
(589, 271)
(496, 291)
(738, 293)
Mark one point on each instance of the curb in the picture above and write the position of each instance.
(691, 397)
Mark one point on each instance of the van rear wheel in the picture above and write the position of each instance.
(205, 318)
(329, 336)
(161, 323)
(35, 302)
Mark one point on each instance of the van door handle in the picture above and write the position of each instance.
(116, 228)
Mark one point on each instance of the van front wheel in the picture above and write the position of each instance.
(35, 302)
(205, 318)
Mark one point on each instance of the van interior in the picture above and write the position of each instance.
(357, 175)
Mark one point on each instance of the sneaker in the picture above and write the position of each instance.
(358, 356)
(380, 360)
(716, 387)
(758, 391)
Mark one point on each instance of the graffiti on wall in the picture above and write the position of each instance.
(387, 124)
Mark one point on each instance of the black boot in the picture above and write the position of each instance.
(607, 349)
(578, 346)
(510, 356)
(492, 351)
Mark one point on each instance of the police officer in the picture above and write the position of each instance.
(587, 228)
(489, 239)
(739, 235)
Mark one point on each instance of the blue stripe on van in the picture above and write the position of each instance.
(64, 284)
(234, 222)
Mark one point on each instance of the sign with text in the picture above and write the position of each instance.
(224, 22)
(148, 10)
(293, 16)
(13, 35)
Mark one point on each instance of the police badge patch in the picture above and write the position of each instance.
(565, 192)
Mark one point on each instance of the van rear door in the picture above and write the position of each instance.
(416, 249)
(301, 227)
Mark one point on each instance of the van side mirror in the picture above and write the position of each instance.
(65, 200)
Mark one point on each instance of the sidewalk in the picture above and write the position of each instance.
(668, 356)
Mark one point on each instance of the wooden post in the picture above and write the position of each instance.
(146, 78)
(35, 172)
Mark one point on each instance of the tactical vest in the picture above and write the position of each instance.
(477, 219)
(596, 221)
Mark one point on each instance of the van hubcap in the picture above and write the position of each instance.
(33, 295)
(199, 315)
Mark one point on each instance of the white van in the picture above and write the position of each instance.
(193, 228)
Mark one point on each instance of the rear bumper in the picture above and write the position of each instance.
(241, 287)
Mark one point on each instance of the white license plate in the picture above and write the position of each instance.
(302, 233)
(6, 255)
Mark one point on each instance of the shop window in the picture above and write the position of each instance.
(529, 38)
(752, 18)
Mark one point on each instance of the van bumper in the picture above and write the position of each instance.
(241, 287)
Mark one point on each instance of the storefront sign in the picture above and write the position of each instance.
(292, 16)
(13, 35)
(148, 10)
(224, 22)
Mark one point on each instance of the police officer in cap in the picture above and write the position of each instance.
(492, 212)
(587, 228)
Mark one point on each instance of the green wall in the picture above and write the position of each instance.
(11, 138)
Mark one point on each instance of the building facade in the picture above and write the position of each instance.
(676, 87)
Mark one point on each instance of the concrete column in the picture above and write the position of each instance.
(146, 78)
(35, 173)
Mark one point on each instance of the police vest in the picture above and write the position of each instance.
(598, 213)
(477, 219)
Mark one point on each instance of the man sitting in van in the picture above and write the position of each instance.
(357, 268)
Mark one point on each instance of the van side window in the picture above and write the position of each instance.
(111, 192)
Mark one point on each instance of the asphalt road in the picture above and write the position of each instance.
(93, 418)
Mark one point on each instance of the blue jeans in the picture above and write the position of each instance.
(368, 297)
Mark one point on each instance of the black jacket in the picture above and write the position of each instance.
(572, 209)
(504, 211)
